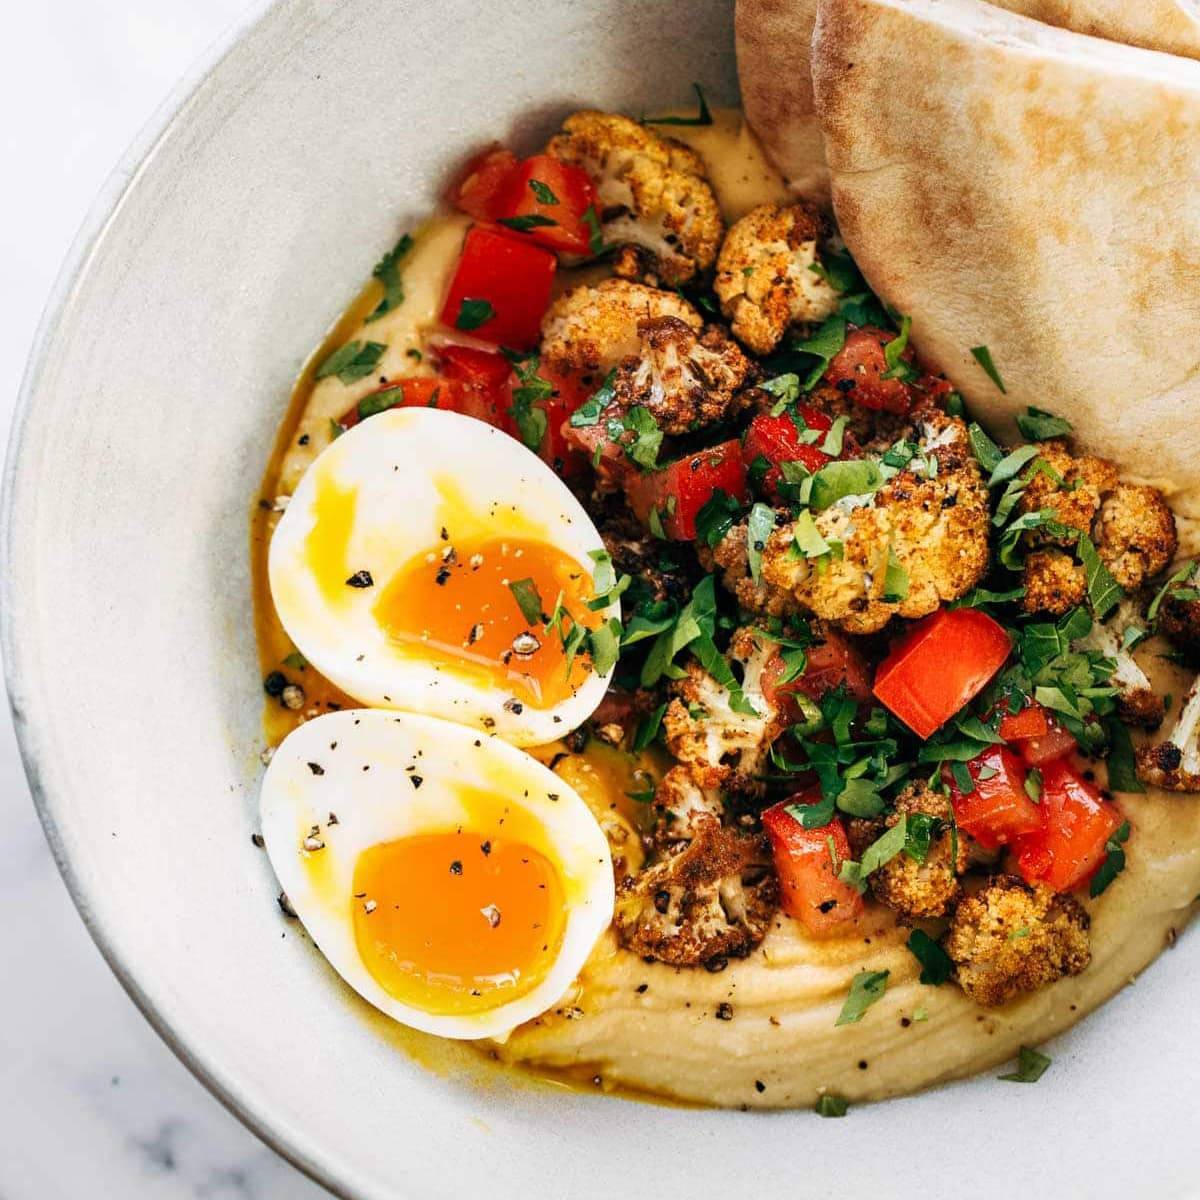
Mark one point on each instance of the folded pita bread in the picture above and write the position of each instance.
(1043, 200)
(1170, 25)
(774, 43)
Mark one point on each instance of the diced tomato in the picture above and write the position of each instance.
(833, 661)
(778, 441)
(859, 368)
(1055, 743)
(569, 393)
(809, 887)
(423, 392)
(483, 378)
(543, 189)
(998, 809)
(1029, 722)
(679, 491)
(1076, 823)
(501, 289)
(943, 662)
(483, 185)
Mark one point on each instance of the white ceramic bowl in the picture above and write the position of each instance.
(216, 259)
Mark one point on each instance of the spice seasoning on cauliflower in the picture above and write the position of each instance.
(1011, 938)
(1131, 526)
(765, 278)
(932, 523)
(656, 204)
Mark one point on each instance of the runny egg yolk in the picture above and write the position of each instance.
(454, 923)
(462, 603)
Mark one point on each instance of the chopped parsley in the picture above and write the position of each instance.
(473, 313)
(542, 192)
(528, 399)
(387, 271)
(525, 223)
(829, 1105)
(865, 989)
(702, 117)
(1038, 426)
(351, 362)
(717, 516)
(1104, 592)
(1031, 1066)
(1114, 861)
(936, 964)
(983, 356)
(588, 413)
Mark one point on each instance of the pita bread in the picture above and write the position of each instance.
(773, 39)
(774, 44)
(1169, 25)
(1045, 204)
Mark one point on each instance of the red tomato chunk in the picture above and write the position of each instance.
(1076, 823)
(941, 664)
(679, 491)
(546, 200)
(809, 887)
(859, 368)
(500, 290)
(998, 809)
(833, 661)
(777, 439)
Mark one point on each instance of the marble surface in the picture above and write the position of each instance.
(92, 1103)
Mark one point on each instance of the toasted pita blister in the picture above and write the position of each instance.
(1019, 187)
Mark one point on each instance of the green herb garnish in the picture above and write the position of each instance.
(703, 117)
(865, 989)
(351, 362)
(936, 964)
(1031, 1066)
(387, 271)
(528, 598)
(983, 356)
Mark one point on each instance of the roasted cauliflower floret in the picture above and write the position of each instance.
(929, 888)
(683, 809)
(1175, 764)
(765, 278)
(656, 205)
(931, 522)
(1135, 534)
(1179, 612)
(721, 746)
(1137, 701)
(730, 559)
(712, 900)
(591, 327)
(1054, 582)
(1010, 938)
(1131, 526)
(685, 380)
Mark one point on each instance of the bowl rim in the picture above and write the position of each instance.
(88, 238)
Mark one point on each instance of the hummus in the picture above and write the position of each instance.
(761, 1032)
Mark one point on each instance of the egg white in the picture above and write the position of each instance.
(415, 471)
(365, 759)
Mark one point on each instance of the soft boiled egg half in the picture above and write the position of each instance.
(431, 563)
(452, 880)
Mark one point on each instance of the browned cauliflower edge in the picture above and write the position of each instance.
(685, 380)
(1174, 765)
(1130, 524)
(656, 204)
(933, 524)
(765, 279)
(1010, 938)
(922, 890)
(592, 327)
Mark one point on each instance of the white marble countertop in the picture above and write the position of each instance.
(92, 1103)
